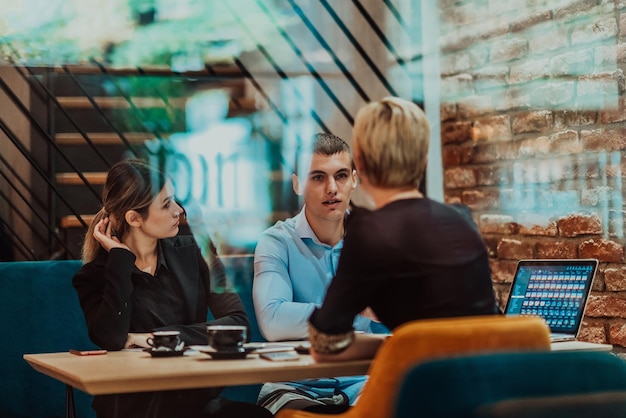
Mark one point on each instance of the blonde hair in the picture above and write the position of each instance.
(390, 138)
(130, 185)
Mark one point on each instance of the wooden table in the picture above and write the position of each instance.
(137, 371)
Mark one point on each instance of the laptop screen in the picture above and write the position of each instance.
(555, 290)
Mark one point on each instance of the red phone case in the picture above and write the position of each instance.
(88, 352)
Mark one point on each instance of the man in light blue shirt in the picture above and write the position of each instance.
(294, 262)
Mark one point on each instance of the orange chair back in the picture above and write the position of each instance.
(423, 340)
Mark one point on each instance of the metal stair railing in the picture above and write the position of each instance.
(51, 97)
(18, 144)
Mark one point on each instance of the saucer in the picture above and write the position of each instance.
(165, 353)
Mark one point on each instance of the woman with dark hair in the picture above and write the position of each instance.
(140, 276)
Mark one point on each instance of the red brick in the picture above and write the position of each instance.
(565, 142)
(491, 243)
(614, 114)
(534, 146)
(455, 132)
(456, 62)
(575, 62)
(472, 197)
(473, 107)
(538, 230)
(464, 14)
(456, 86)
(593, 331)
(514, 249)
(488, 28)
(491, 77)
(454, 43)
(601, 88)
(537, 121)
(603, 250)
(480, 199)
(603, 305)
(598, 283)
(556, 249)
(497, 224)
(543, 42)
(507, 49)
(502, 294)
(554, 120)
(617, 332)
(480, 133)
(502, 271)
(447, 111)
(447, 6)
(529, 19)
(585, 167)
(566, 119)
(579, 224)
(615, 278)
(538, 227)
(459, 177)
(501, 126)
(453, 155)
(529, 70)
(604, 139)
(491, 152)
(614, 169)
(453, 197)
(573, 9)
(491, 175)
(491, 129)
(515, 98)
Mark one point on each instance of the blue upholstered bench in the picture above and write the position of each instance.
(41, 313)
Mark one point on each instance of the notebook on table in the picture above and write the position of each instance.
(557, 291)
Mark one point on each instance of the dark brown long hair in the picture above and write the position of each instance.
(130, 185)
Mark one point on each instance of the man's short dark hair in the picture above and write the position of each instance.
(329, 144)
(326, 144)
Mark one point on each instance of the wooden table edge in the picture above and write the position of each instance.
(286, 372)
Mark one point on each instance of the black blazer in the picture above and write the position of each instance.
(117, 298)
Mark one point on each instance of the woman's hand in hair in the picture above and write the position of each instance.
(103, 233)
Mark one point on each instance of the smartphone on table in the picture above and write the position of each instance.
(280, 355)
(87, 352)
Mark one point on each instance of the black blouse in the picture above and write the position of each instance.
(118, 298)
(411, 259)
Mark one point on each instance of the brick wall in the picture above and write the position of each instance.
(533, 137)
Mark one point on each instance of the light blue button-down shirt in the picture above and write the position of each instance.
(292, 270)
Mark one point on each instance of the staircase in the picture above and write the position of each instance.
(98, 117)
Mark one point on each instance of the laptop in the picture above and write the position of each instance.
(556, 290)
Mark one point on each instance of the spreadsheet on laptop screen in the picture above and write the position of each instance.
(557, 293)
